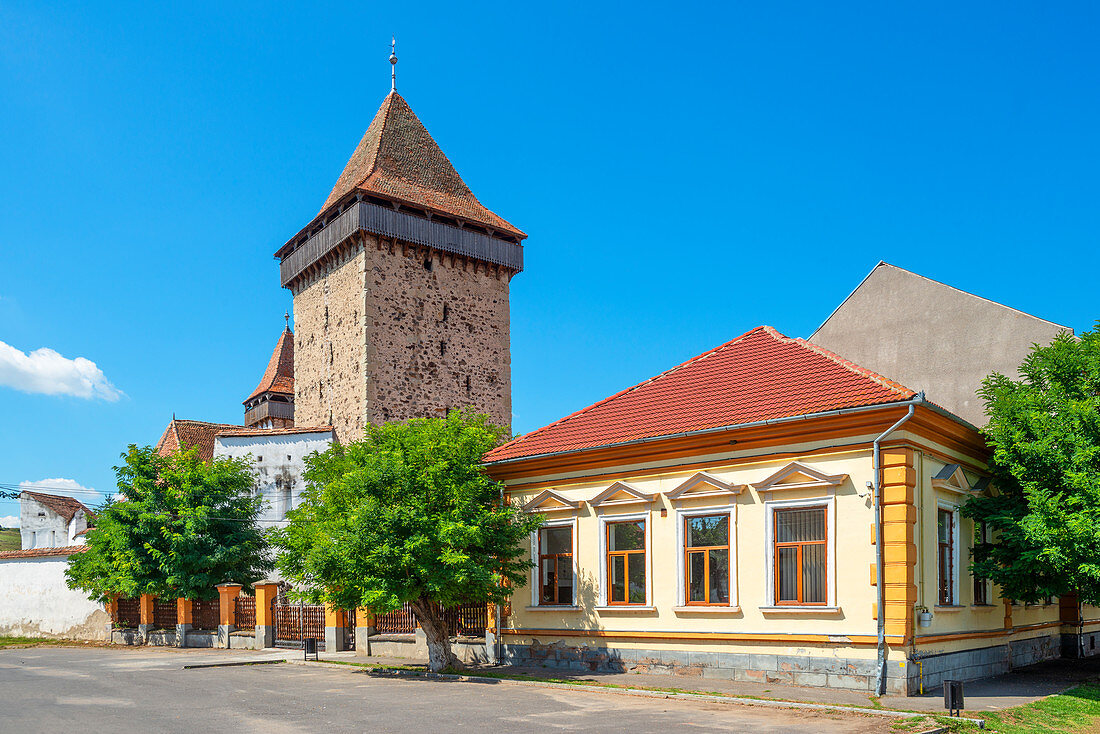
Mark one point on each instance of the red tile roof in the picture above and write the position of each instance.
(397, 159)
(760, 375)
(191, 433)
(238, 431)
(279, 375)
(67, 550)
(66, 507)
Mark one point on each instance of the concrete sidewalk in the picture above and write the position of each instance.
(990, 694)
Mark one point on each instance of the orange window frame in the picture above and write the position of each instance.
(776, 545)
(947, 570)
(705, 550)
(625, 554)
(557, 560)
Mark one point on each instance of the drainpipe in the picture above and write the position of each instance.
(880, 674)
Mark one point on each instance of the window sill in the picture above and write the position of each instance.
(626, 609)
(801, 609)
(701, 609)
(553, 608)
(982, 606)
(949, 608)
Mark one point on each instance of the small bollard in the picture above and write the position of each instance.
(953, 696)
(309, 646)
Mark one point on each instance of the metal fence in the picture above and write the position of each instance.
(164, 614)
(205, 614)
(295, 622)
(128, 612)
(244, 612)
(468, 619)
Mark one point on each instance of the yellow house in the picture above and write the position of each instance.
(720, 520)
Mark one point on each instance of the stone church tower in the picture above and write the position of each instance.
(400, 289)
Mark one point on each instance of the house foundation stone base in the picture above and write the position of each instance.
(1080, 645)
(799, 670)
(930, 671)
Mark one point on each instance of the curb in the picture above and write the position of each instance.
(640, 692)
(237, 664)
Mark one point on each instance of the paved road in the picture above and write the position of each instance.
(147, 690)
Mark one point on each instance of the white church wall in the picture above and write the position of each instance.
(278, 461)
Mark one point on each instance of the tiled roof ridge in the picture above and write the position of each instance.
(66, 550)
(853, 367)
(593, 406)
(239, 431)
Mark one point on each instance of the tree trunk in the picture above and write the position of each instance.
(439, 637)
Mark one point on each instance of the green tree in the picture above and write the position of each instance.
(1044, 430)
(407, 515)
(177, 527)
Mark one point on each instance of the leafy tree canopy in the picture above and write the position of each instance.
(1044, 430)
(407, 515)
(178, 527)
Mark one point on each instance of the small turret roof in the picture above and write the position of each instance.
(398, 160)
(279, 375)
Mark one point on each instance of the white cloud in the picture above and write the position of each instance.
(9, 521)
(47, 372)
(65, 487)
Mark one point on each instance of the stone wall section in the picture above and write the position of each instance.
(438, 335)
(329, 345)
(390, 331)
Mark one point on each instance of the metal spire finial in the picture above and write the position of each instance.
(286, 315)
(393, 64)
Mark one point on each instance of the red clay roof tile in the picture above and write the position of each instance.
(760, 375)
(67, 550)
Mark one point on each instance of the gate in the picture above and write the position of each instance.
(296, 622)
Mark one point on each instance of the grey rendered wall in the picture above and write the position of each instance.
(932, 337)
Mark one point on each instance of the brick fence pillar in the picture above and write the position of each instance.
(266, 591)
(184, 620)
(227, 593)
(145, 608)
(364, 628)
(111, 607)
(491, 633)
(336, 629)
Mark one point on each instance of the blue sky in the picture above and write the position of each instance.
(685, 173)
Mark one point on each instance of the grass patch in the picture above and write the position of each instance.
(9, 539)
(1076, 710)
(35, 642)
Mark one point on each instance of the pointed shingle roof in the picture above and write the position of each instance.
(398, 160)
(760, 375)
(279, 375)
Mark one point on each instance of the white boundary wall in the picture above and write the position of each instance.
(35, 602)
